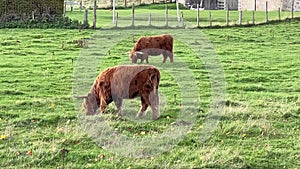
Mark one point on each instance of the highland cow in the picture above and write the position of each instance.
(125, 82)
(152, 45)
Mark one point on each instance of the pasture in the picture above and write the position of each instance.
(41, 124)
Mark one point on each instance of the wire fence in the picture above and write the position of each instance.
(197, 18)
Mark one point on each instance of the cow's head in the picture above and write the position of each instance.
(134, 56)
(89, 103)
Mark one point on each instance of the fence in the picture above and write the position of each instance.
(195, 18)
(154, 19)
(120, 3)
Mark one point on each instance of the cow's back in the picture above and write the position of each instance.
(128, 81)
(164, 42)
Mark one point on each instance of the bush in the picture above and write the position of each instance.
(57, 22)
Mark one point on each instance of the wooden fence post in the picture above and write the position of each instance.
(116, 19)
(178, 11)
(182, 18)
(240, 17)
(95, 14)
(293, 8)
(210, 19)
(166, 19)
(85, 19)
(279, 17)
(80, 5)
(132, 16)
(267, 12)
(150, 19)
(65, 9)
(198, 16)
(72, 6)
(114, 11)
(32, 15)
(227, 17)
(253, 17)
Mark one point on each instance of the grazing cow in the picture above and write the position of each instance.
(125, 82)
(152, 45)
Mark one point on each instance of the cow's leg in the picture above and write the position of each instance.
(171, 57)
(147, 59)
(146, 56)
(154, 104)
(165, 55)
(118, 103)
(143, 108)
(152, 100)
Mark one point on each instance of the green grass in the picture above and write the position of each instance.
(260, 123)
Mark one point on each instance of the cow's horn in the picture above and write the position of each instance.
(128, 52)
(80, 97)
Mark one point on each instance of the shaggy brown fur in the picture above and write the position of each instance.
(125, 82)
(152, 45)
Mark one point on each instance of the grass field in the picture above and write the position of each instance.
(40, 125)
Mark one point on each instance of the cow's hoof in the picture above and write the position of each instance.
(140, 114)
(155, 118)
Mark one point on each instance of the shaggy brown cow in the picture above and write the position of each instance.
(125, 82)
(152, 45)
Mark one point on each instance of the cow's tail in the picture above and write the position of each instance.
(155, 78)
(154, 97)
